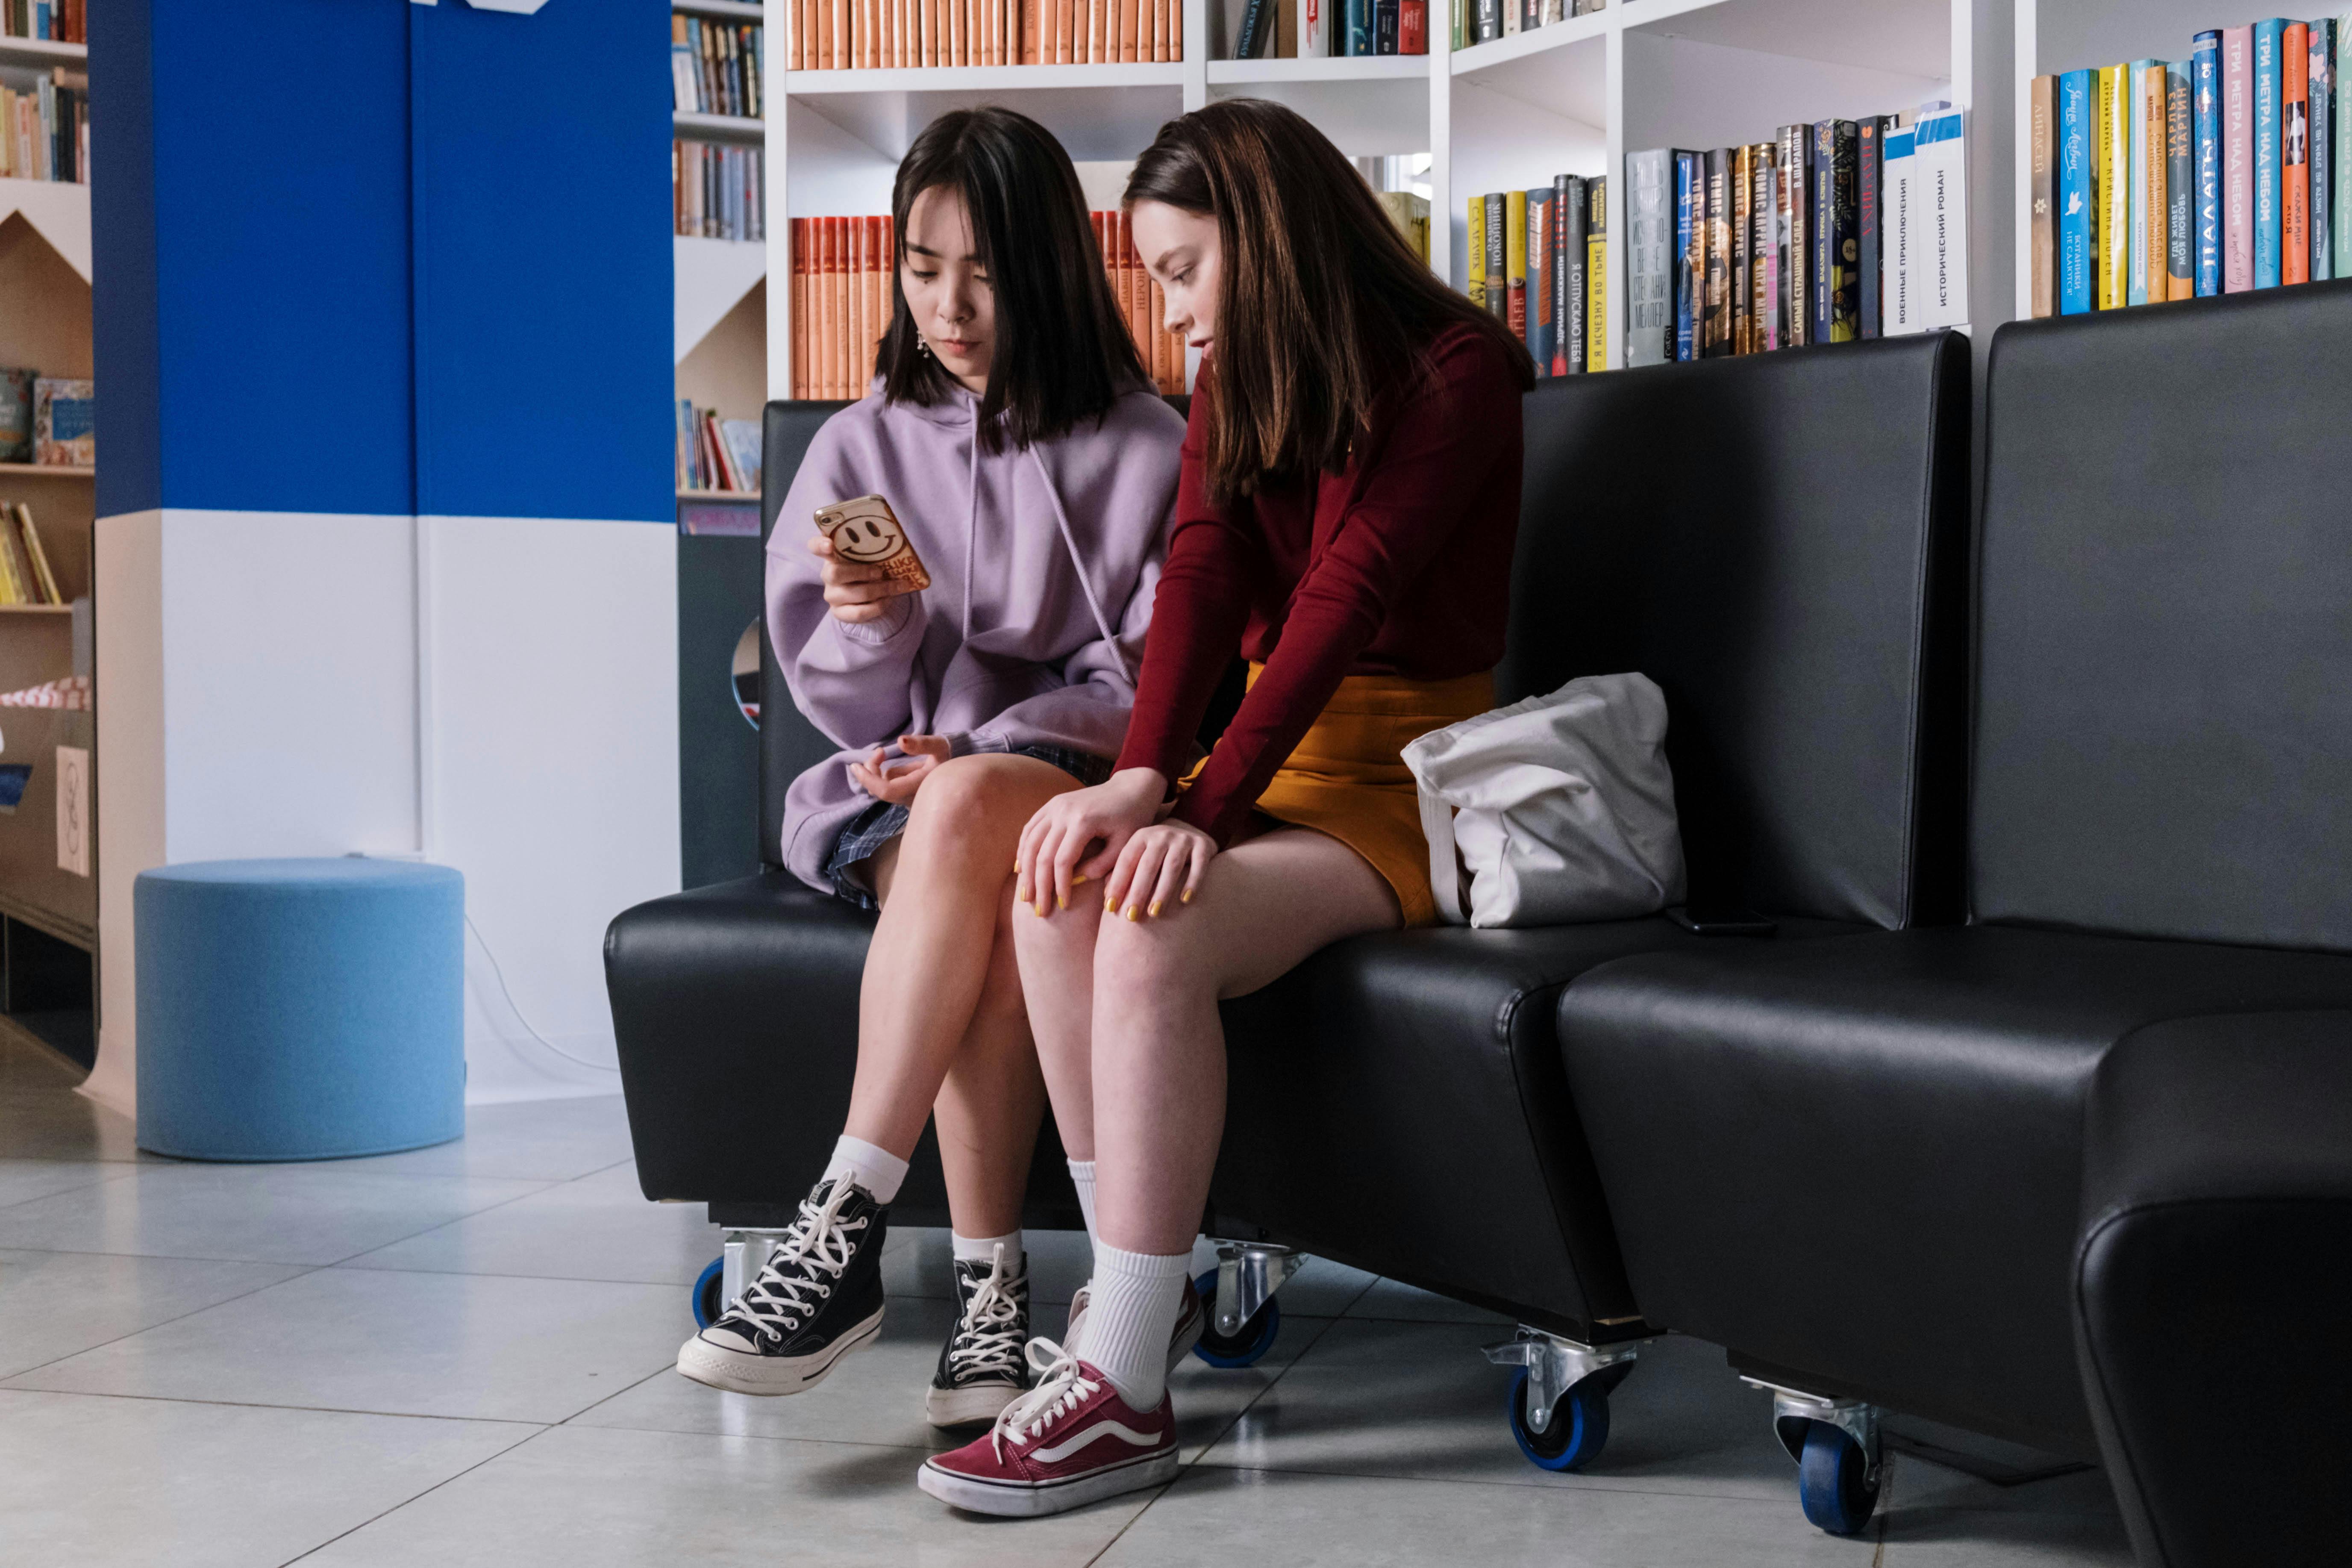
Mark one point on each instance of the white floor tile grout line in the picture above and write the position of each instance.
(148, 1328)
(404, 1502)
(267, 1404)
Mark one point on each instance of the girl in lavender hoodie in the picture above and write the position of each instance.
(1015, 433)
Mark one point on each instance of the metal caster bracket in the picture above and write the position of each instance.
(1248, 1274)
(1555, 1366)
(1794, 1410)
(745, 1253)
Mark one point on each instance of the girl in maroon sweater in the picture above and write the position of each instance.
(1345, 517)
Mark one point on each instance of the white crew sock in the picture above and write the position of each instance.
(1082, 1176)
(875, 1169)
(982, 1249)
(1130, 1314)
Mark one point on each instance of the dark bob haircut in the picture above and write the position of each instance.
(1323, 309)
(1063, 351)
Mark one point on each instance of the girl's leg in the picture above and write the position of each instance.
(989, 1109)
(931, 964)
(1057, 978)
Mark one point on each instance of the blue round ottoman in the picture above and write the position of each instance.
(300, 1009)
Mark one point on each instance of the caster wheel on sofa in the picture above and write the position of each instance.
(1243, 1349)
(1575, 1435)
(706, 1293)
(1833, 1481)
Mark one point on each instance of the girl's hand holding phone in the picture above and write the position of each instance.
(923, 753)
(857, 593)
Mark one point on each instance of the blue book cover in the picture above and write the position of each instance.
(2270, 38)
(2205, 84)
(2077, 196)
(2323, 161)
(1358, 28)
(1690, 223)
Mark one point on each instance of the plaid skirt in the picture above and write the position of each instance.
(881, 822)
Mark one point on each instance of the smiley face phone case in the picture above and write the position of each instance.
(864, 529)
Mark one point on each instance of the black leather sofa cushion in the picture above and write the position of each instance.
(1860, 1161)
(2164, 709)
(2212, 1286)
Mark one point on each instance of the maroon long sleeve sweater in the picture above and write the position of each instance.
(1399, 565)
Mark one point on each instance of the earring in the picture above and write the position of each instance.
(922, 345)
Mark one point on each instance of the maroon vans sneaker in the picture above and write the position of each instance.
(1067, 1441)
(1190, 1320)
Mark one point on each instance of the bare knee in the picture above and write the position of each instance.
(975, 802)
(1146, 962)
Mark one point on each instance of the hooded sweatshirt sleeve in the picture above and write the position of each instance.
(850, 680)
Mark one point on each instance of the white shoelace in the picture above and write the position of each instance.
(1061, 1386)
(818, 1241)
(989, 1338)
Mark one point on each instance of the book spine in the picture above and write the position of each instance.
(1649, 257)
(1743, 201)
(1498, 254)
(1714, 335)
(1690, 251)
(1575, 247)
(1251, 39)
(1563, 191)
(2115, 186)
(2179, 186)
(2237, 159)
(1384, 26)
(2205, 106)
(2340, 163)
(1796, 306)
(1359, 28)
(2294, 153)
(1413, 27)
(1538, 243)
(1845, 215)
(2323, 151)
(1473, 248)
(1764, 251)
(2041, 239)
(1596, 273)
(1870, 169)
(1821, 168)
(2268, 81)
(2142, 155)
(1490, 21)
(1514, 262)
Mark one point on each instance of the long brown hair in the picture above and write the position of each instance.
(1323, 308)
(1063, 353)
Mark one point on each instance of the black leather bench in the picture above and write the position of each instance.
(1777, 542)
(1861, 1165)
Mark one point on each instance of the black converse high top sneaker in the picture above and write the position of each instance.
(980, 1369)
(819, 1297)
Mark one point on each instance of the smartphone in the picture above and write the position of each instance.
(864, 529)
(1721, 922)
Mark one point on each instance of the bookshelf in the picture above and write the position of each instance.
(1572, 97)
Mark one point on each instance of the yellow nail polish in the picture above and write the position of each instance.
(1060, 902)
(1016, 868)
(1187, 896)
(1154, 910)
(1110, 906)
(1078, 879)
(1130, 911)
(1041, 908)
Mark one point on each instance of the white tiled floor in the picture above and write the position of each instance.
(462, 1356)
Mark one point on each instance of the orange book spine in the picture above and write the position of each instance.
(2294, 162)
(988, 32)
(821, 281)
(1128, 21)
(1025, 25)
(861, 322)
(1065, 44)
(1123, 247)
(880, 282)
(1176, 26)
(930, 25)
(798, 240)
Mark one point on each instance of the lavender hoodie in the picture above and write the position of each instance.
(1042, 563)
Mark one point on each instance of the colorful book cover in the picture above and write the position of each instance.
(1538, 248)
(2237, 159)
(2115, 186)
(1498, 256)
(17, 414)
(2340, 162)
(1412, 26)
(1473, 247)
(1821, 165)
(1742, 192)
(2146, 157)
(2041, 210)
(1870, 162)
(1575, 245)
(2323, 151)
(1596, 273)
(1938, 206)
(1314, 29)
(1796, 243)
(1843, 178)
(2078, 193)
(2269, 79)
(2179, 184)
(1566, 268)
(1514, 262)
(65, 423)
(1715, 334)
(2205, 96)
(2294, 153)
(1649, 257)
(1357, 19)
(1384, 26)
(1764, 253)
(1690, 251)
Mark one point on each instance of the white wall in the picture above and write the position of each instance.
(276, 684)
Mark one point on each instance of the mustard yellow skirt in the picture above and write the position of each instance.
(1347, 775)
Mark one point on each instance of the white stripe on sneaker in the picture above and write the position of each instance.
(1061, 1451)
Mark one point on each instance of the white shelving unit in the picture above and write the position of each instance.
(1572, 98)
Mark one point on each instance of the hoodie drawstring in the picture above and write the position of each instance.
(1077, 564)
(972, 529)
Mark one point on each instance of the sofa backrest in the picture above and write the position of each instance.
(1780, 542)
(2164, 677)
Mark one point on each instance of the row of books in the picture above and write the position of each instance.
(716, 453)
(48, 419)
(59, 21)
(1321, 29)
(24, 575)
(1829, 233)
(1484, 21)
(835, 34)
(841, 302)
(718, 191)
(44, 133)
(2177, 179)
(715, 67)
(1540, 259)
